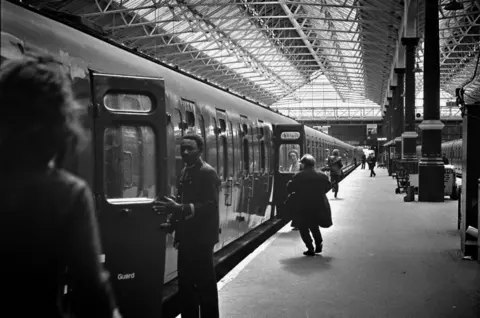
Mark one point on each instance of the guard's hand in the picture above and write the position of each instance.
(166, 205)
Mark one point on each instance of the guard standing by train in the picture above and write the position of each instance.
(195, 220)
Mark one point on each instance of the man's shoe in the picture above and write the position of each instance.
(319, 248)
(309, 253)
(294, 228)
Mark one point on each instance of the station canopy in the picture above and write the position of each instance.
(283, 54)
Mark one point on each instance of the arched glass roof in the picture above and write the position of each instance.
(286, 53)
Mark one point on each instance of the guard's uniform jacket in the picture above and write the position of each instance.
(198, 185)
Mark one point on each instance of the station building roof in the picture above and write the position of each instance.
(274, 51)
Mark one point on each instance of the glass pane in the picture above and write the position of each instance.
(289, 155)
(129, 163)
(178, 132)
(212, 145)
(201, 132)
(127, 102)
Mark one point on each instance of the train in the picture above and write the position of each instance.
(452, 150)
(136, 111)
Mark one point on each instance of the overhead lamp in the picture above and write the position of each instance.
(417, 69)
(453, 5)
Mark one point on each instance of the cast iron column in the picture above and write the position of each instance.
(431, 168)
(409, 137)
(399, 113)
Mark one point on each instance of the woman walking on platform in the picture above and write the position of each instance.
(50, 235)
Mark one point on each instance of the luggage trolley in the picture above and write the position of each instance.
(403, 179)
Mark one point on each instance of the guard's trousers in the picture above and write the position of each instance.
(196, 281)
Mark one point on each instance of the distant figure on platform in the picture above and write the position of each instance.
(364, 158)
(295, 165)
(372, 160)
(313, 209)
(50, 235)
(195, 218)
(335, 165)
(445, 159)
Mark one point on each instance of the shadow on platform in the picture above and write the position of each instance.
(306, 265)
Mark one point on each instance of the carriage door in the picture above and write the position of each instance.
(287, 138)
(247, 183)
(130, 170)
(225, 168)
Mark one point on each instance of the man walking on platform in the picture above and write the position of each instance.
(195, 220)
(313, 210)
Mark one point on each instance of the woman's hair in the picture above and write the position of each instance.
(308, 160)
(335, 152)
(40, 118)
(293, 151)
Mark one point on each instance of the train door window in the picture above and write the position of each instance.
(190, 121)
(267, 148)
(127, 102)
(251, 168)
(231, 151)
(222, 150)
(287, 161)
(246, 150)
(178, 132)
(129, 165)
(212, 154)
(240, 151)
(201, 132)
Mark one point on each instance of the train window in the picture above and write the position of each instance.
(201, 132)
(222, 158)
(231, 151)
(251, 150)
(246, 156)
(178, 132)
(129, 164)
(127, 102)
(190, 118)
(286, 162)
(212, 155)
(262, 156)
(267, 149)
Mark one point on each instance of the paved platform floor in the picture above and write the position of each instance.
(382, 258)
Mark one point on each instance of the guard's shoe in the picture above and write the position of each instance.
(318, 248)
(294, 228)
(309, 253)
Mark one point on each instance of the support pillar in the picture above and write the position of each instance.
(388, 134)
(399, 116)
(409, 137)
(470, 186)
(431, 169)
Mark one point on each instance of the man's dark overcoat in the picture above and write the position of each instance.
(312, 206)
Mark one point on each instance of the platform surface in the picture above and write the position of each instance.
(383, 257)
